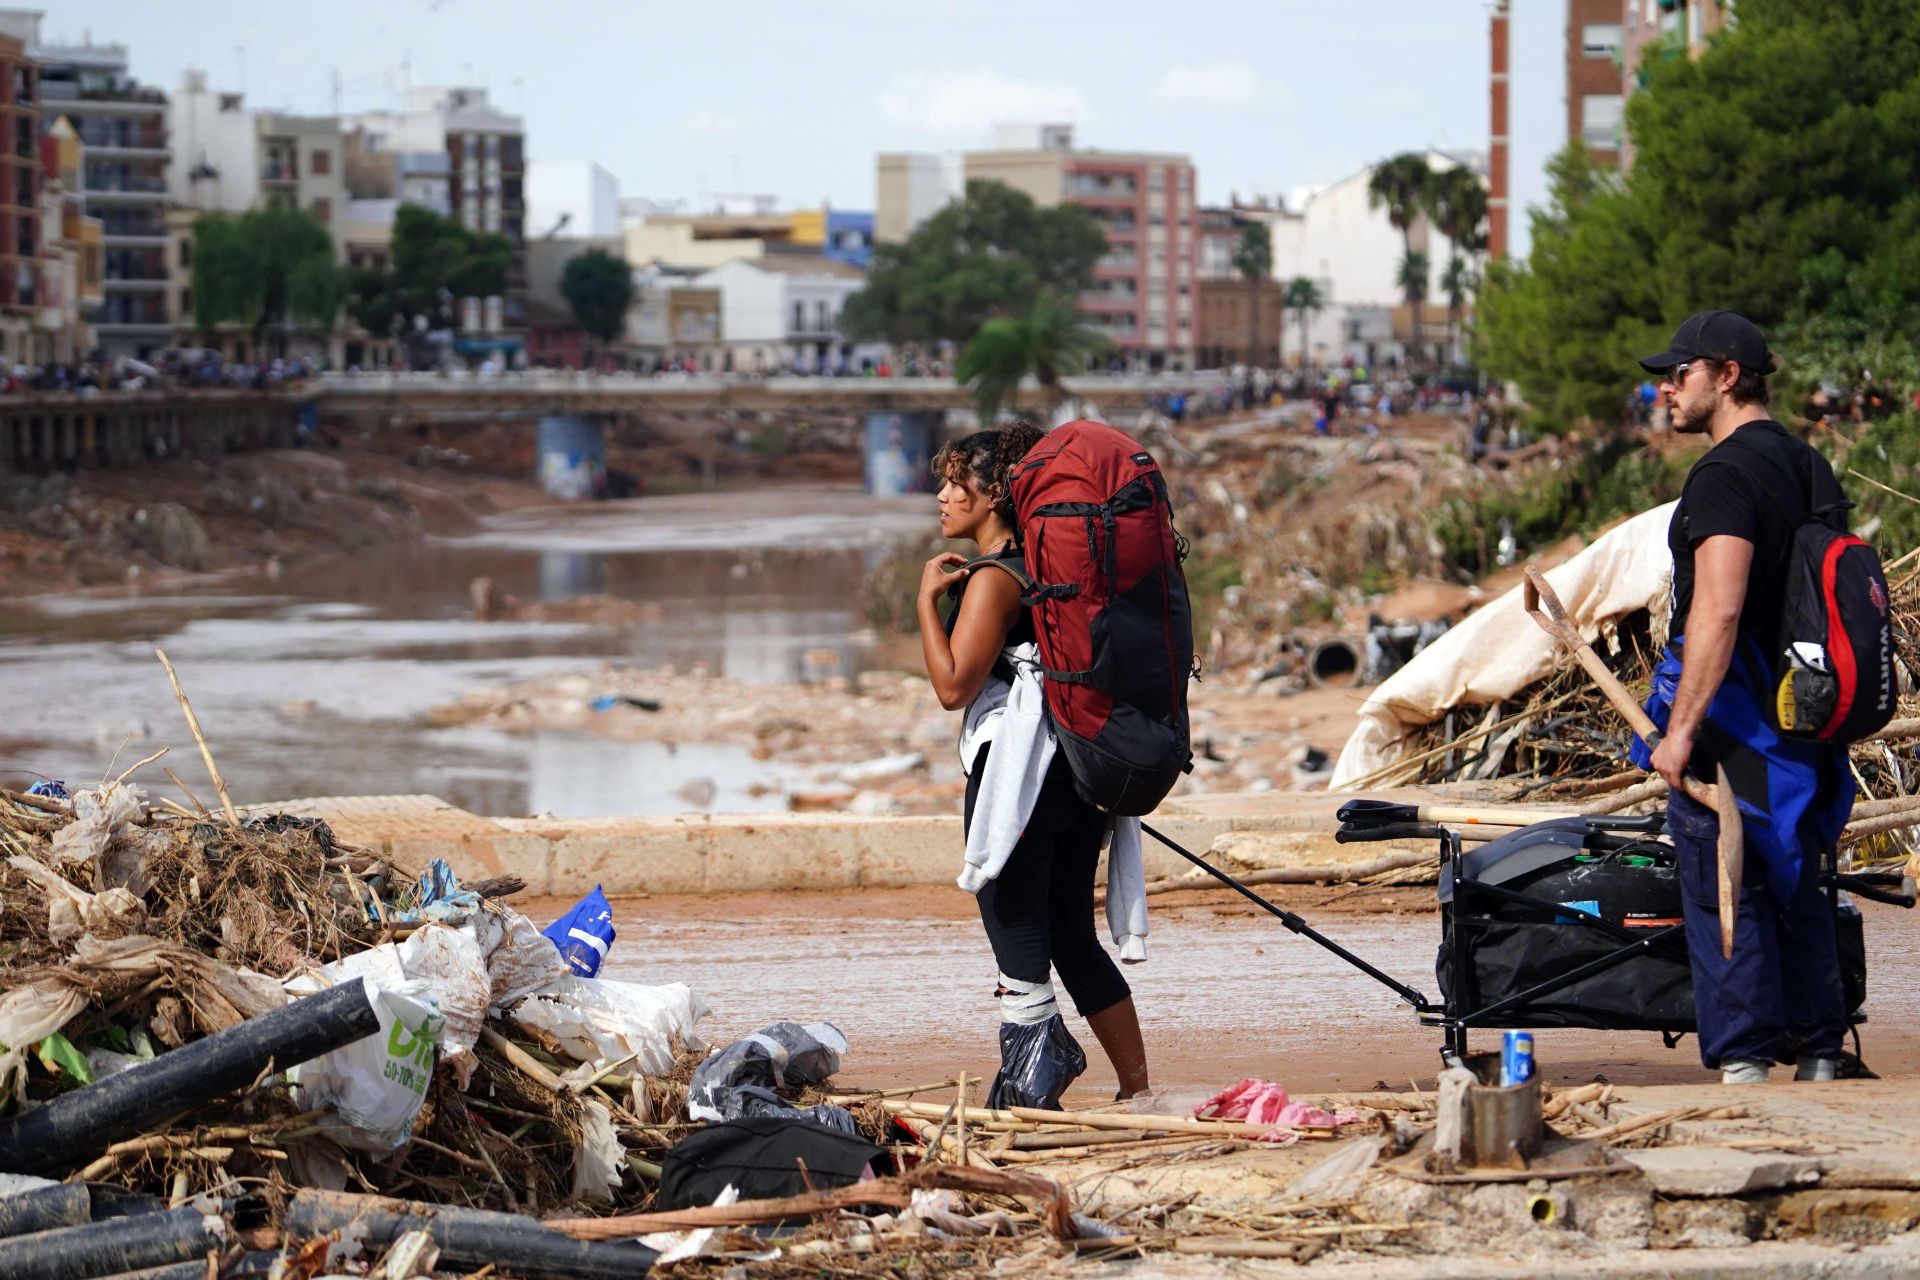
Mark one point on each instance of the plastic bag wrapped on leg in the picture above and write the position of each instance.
(1038, 1060)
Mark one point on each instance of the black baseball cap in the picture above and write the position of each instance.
(1715, 335)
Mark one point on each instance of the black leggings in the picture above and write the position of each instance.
(1039, 910)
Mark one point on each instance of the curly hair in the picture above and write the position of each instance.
(984, 462)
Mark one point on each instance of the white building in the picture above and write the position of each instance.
(575, 198)
(780, 308)
(910, 187)
(1333, 236)
(215, 166)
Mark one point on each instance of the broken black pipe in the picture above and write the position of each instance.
(112, 1247)
(67, 1204)
(78, 1125)
(469, 1238)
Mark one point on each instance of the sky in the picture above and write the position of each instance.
(689, 100)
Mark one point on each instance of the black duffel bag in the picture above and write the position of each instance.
(761, 1155)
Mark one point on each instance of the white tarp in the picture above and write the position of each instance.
(1499, 651)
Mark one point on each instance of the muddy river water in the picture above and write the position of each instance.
(317, 683)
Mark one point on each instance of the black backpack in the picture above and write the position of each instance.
(1831, 673)
(761, 1155)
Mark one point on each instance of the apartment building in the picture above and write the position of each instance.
(1595, 94)
(22, 246)
(453, 141)
(1142, 296)
(301, 161)
(1607, 44)
(576, 198)
(122, 127)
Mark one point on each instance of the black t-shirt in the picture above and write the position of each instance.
(1759, 484)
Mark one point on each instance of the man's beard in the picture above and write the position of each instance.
(1691, 422)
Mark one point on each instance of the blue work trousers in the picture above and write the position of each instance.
(1780, 996)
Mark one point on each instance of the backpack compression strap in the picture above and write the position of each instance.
(1032, 593)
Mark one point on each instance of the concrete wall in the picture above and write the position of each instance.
(730, 853)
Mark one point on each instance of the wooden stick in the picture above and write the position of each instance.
(889, 1192)
(1652, 1121)
(1301, 875)
(193, 723)
(1652, 789)
(129, 771)
(187, 791)
(45, 804)
(870, 1095)
(1880, 808)
(1898, 821)
(960, 1122)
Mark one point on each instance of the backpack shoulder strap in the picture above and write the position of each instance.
(1027, 585)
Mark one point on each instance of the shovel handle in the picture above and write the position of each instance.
(1556, 623)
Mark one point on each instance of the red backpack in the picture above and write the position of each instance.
(1110, 611)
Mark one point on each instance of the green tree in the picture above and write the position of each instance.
(435, 263)
(989, 254)
(1403, 186)
(1253, 259)
(1304, 299)
(1051, 341)
(1777, 174)
(599, 288)
(267, 268)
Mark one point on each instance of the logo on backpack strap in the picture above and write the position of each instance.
(1142, 459)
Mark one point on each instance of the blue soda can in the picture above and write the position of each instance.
(1516, 1057)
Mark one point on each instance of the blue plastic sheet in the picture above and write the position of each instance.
(437, 896)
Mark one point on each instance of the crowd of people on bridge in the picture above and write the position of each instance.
(186, 370)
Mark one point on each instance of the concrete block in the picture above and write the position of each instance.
(477, 857)
(780, 851)
(895, 852)
(628, 857)
(1719, 1171)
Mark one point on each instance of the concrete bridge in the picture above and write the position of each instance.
(46, 431)
(551, 392)
(904, 418)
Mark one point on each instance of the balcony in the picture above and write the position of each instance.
(279, 173)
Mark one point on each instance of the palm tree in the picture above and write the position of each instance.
(1458, 206)
(1051, 341)
(1304, 299)
(1253, 259)
(1412, 280)
(1403, 186)
(1458, 282)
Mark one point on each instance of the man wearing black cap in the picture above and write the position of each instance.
(1779, 998)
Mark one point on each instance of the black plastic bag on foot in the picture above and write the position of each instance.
(1038, 1060)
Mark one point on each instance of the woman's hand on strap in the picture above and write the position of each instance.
(941, 572)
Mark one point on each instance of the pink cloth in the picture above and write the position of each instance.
(1259, 1102)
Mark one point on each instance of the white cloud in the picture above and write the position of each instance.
(1220, 84)
(707, 120)
(971, 102)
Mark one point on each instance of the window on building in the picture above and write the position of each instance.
(320, 163)
(186, 253)
(822, 316)
(322, 209)
(1600, 117)
(1156, 179)
(1599, 39)
(186, 302)
(799, 316)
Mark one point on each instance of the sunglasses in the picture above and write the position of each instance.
(1677, 375)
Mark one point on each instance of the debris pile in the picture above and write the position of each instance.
(1558, 738)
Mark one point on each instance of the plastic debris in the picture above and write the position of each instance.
(1038, 1060)
(584, 933)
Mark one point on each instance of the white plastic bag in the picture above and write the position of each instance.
(375, 1085)
(598, 1020)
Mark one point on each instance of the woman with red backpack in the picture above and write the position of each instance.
(1033, 843)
